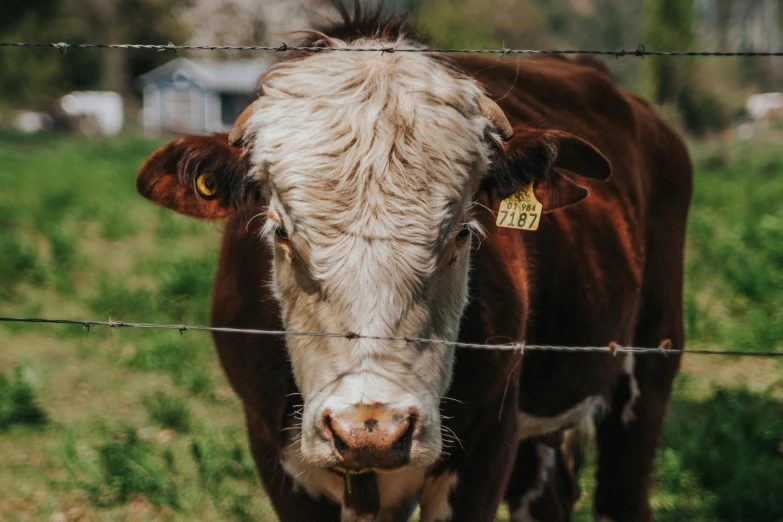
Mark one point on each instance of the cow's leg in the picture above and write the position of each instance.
(629, 436)
(470, 489)
(292, 504)
(543, 485)
(527, 482)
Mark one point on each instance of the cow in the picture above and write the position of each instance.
(361, 195)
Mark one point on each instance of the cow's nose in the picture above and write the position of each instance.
(371, 436)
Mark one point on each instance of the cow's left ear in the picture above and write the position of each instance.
(199, 176)
(548, 158)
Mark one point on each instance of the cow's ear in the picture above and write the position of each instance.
(548, 158)
(199, 176)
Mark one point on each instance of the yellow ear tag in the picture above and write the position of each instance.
(205, 184)
(521, 211)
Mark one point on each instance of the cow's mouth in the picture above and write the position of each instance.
(342, 472)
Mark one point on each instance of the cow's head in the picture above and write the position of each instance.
(369, 165)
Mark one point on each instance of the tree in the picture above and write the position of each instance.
(33, 77)
(669, 25)
(28, 75)
(130, 21)
(13, 11)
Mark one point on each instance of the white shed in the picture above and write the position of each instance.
(198, 96)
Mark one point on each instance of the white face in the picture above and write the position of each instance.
(370, 162)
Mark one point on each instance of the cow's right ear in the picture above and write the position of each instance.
(199, 176)
(550, 159)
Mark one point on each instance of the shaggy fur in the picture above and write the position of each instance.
(370, 160)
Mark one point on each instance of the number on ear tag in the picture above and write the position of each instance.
(521, 211)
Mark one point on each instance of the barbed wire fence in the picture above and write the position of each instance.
(665, 348)
(641, 51)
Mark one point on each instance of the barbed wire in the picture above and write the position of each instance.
(613, 348)
(640, 52)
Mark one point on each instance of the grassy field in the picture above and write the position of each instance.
(140, 425)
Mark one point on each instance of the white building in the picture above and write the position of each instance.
(198, 96)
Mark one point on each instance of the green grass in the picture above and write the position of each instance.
(731, 443)
(124, 465)
(721, 457)
(135, 424)
(735, 264)
(125, 424)
(18, 402)
(185, 364)
(168, 411)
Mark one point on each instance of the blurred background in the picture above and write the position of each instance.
(134, 425)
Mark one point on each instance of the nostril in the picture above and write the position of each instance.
(339, 444)
(403, 444)
(331, 434)
(326, 426)
(416, 427)
(370, 424)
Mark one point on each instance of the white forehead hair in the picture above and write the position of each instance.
(371, 145)
(366, 124)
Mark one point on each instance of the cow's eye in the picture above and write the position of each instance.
(463, 233)
(281, 232)
(206, 184)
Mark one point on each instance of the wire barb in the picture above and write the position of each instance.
(665, 348)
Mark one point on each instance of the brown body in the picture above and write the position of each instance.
(608, 269)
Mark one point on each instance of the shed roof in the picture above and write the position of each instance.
(222, 76)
